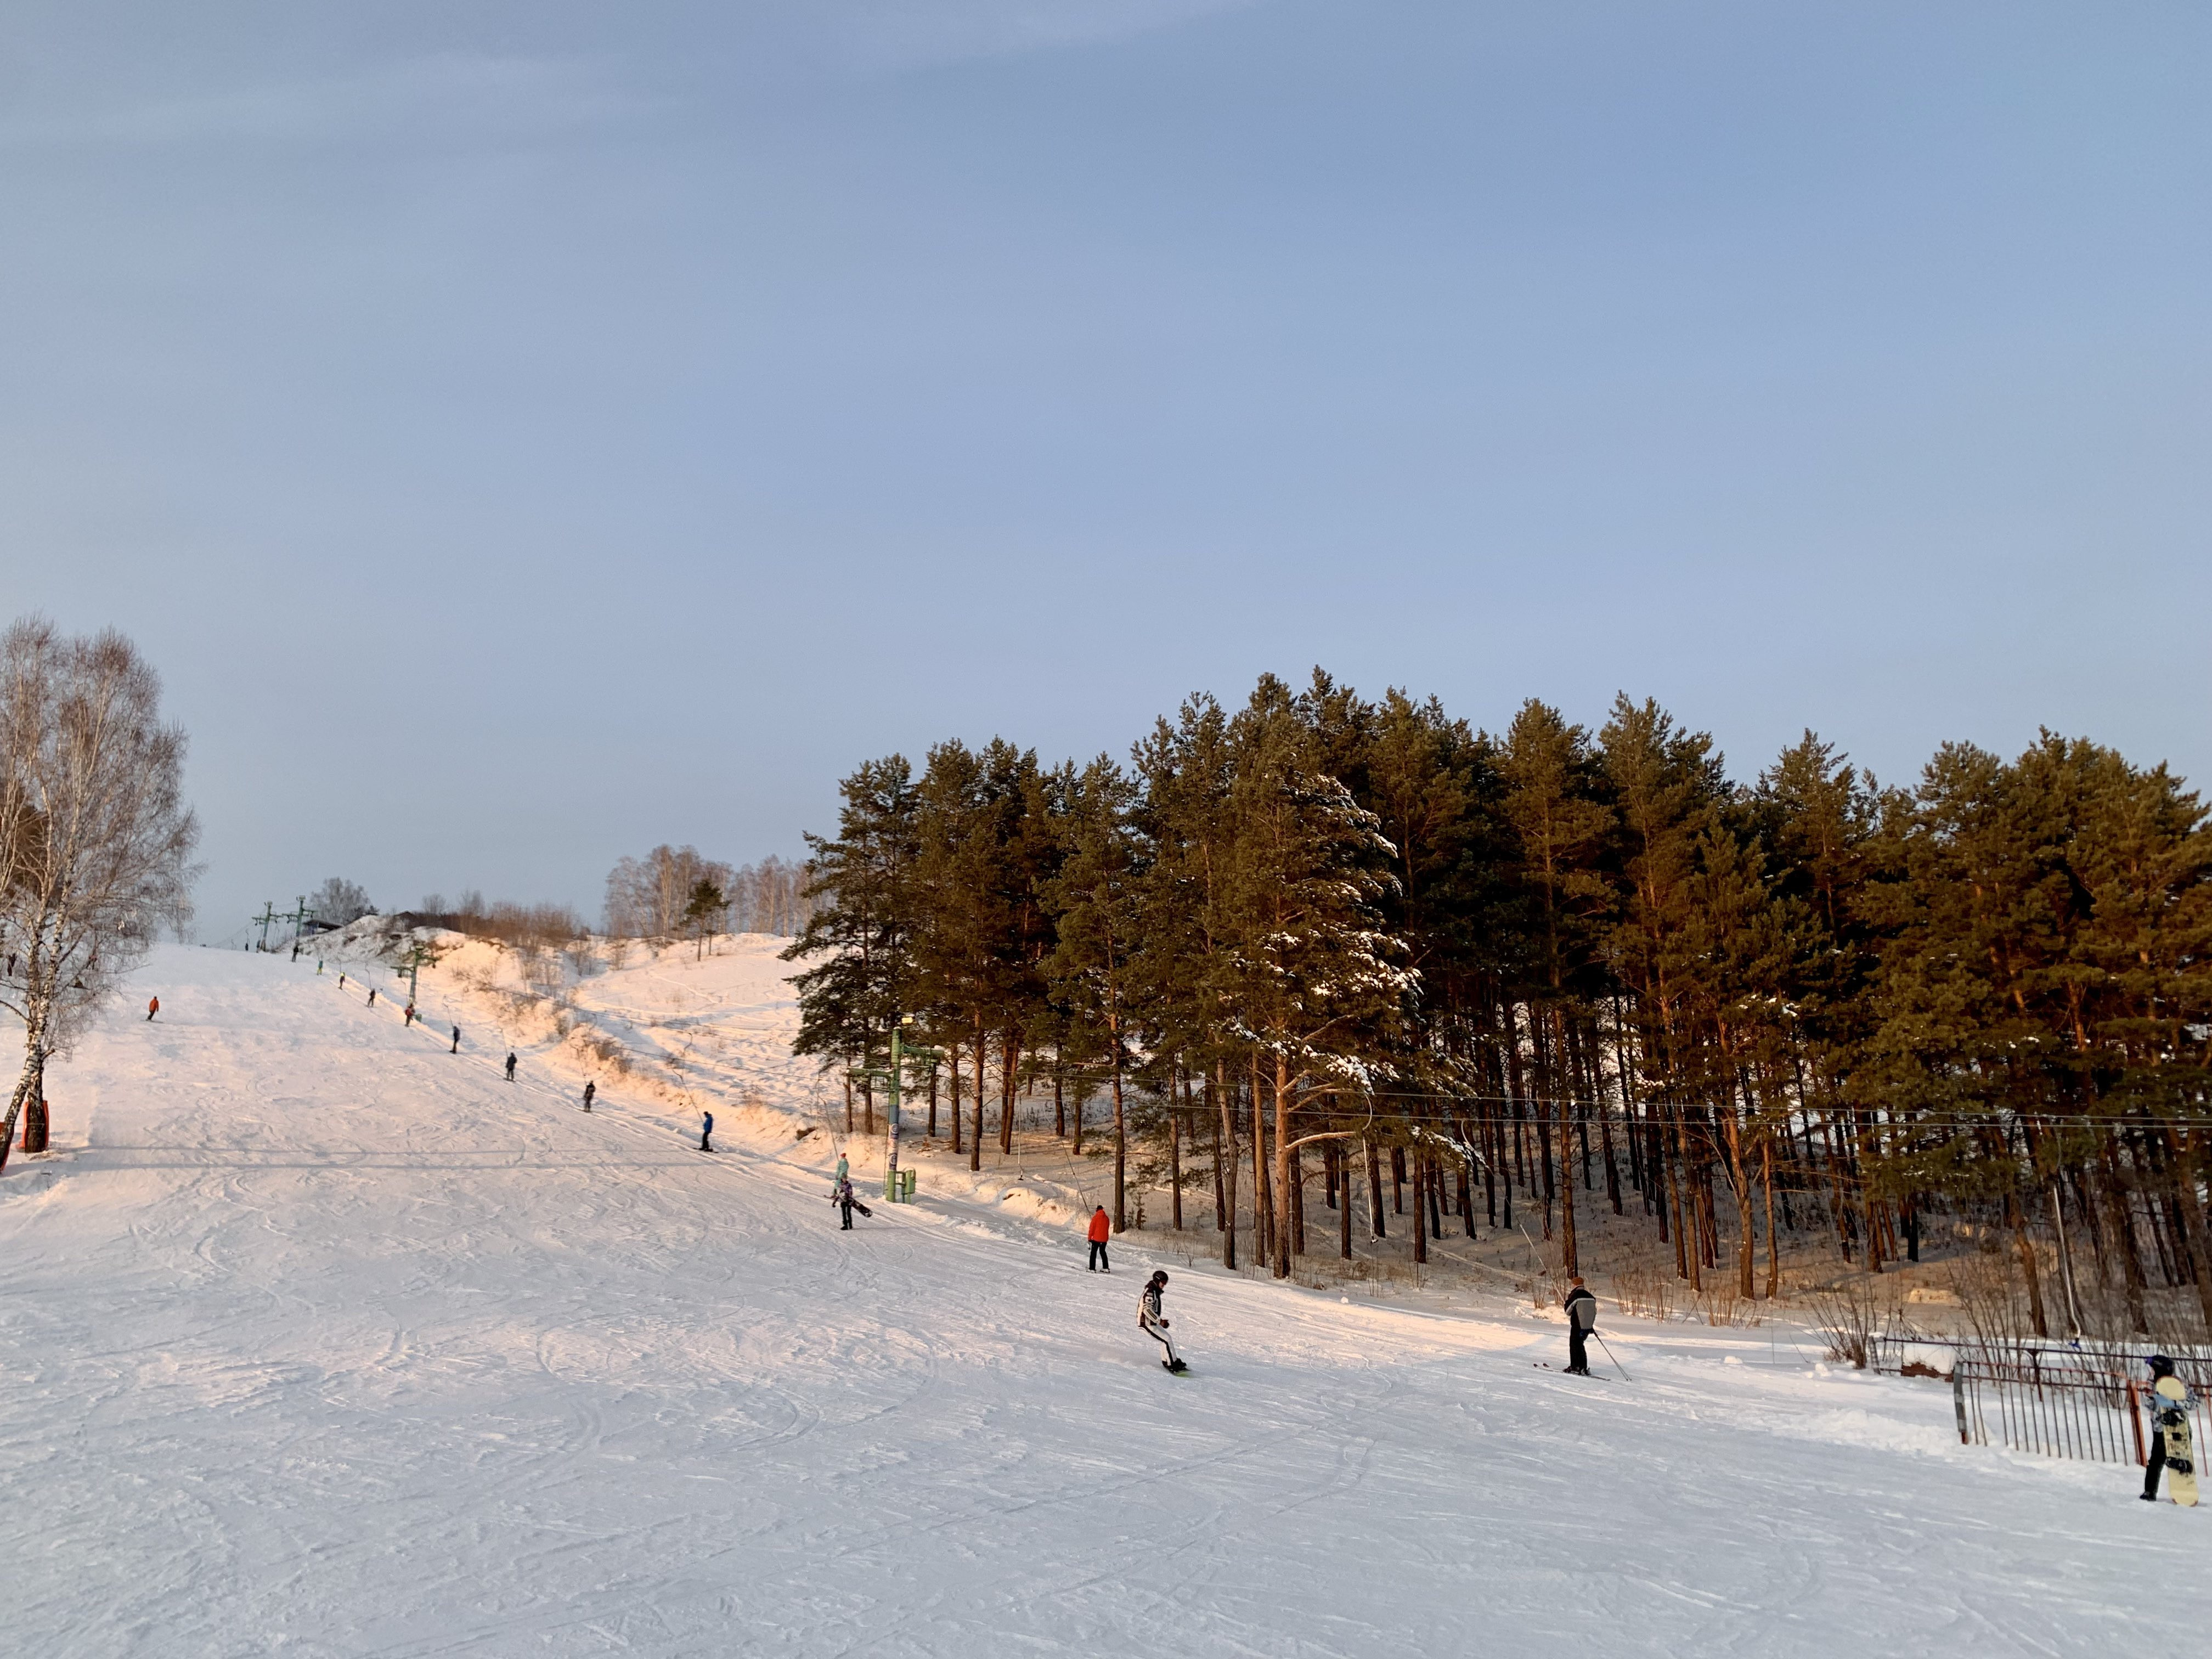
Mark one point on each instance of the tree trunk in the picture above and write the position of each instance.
(1120, 1146)
(975, 1140)
(2016, 1214)
(1059, 1100)
(1374, 1190)
(2185, 1161)
(1420, 1217)
(932, 1101)
(1767, 1173)
(1010, 1046)
(1285, 1195)
(1175, 1153)
(1226, 1177)
(1397, 1180)
(1263, 1196)
(953, 1050)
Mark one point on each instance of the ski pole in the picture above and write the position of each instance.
(1617, 1366)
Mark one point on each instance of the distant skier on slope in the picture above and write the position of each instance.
(510, 1065)
(706, 1132)
(1582, 1320)
(456, 1048)
(410, 1019)
(1100, 1227)
(589, 1089)
(1154, 1323)
(2169, 1394)
(153, 1007)
(371, 1003)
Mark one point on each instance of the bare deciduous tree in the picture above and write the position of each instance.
(646, 897)
(95, 840)
(338, 901)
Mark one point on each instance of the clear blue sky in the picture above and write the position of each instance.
(524, 432)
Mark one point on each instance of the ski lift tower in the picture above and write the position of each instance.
(410, 966)
(896, 1191)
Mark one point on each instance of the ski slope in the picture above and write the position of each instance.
(315, 1339)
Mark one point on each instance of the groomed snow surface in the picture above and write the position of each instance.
(316, 1340)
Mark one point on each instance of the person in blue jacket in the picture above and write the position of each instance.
(706, 1132)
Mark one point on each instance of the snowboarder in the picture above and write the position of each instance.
(1582, 1320)
(843, 1198)
(341, 981)
(295, 952)
(1100, 1227)
(153, 1007)
(706, 1132)
(2170, 1403)
(1154, 1323)
(371, 1003)
(456, 1048)
(589, 1089)
(410, 1020)
(510, 1065)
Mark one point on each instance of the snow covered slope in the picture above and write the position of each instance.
(324, 1341)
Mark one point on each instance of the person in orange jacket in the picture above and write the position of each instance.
(1100, 1227)
(153, 1007)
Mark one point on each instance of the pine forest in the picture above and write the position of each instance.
(1324, 966)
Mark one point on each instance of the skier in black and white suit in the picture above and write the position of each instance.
(1153, 1322)
(1582, 1320)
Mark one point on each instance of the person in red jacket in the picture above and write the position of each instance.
(1100, 1227)
(153, 1007)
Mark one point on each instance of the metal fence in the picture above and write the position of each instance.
(2085, 1403)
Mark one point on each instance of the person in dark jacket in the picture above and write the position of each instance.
(706, 1132)
(1582, 1320)
(1100, 1229)
(589, 1089)
(843, 1198)
(456, 1048)
(2167, 1392)
(1154, 1323)
(510, 1065)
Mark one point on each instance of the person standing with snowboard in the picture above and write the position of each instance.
(2169, 1393)
(1154, 1323)
(510, 1065)
(589, 1089)
(1582, 1320)
(1100, 1227)
(843, 1198)
(706, 1132)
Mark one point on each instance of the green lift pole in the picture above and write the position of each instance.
(892, 1076)
(268, 914)
(412, 965)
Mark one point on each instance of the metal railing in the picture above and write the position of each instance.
(2084, 1403)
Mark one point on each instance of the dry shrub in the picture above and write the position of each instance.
(1642, 1292)
(1850, 1316)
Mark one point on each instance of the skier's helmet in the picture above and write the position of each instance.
(2160, 1365)
(1159, 1278)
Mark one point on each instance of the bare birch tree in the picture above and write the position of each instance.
(95, 840)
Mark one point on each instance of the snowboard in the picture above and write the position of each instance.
(1176, 1370)
(2180, 1442)
(860, 1208)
